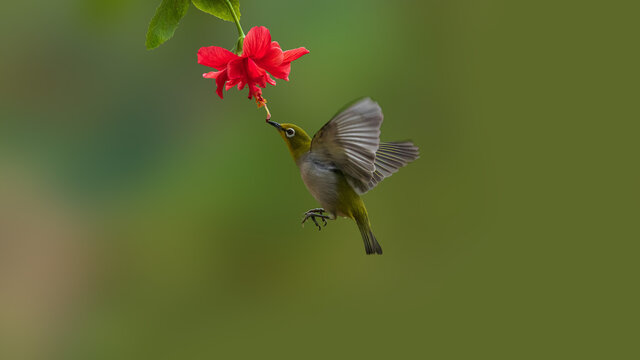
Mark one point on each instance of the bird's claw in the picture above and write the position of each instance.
(313, 214)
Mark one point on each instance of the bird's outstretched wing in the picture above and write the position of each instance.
(390, 157)
(350, 141)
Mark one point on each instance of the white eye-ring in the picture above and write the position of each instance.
(290, 132)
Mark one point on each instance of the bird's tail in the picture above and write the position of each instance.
(371, 245)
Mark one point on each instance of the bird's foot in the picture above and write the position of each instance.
(313, 214)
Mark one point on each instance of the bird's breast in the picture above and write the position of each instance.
(321, 179)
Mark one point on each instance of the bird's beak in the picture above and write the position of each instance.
(275, 124)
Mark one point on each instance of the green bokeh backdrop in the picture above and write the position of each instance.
(142, 217)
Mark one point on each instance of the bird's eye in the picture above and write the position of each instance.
(290, 133)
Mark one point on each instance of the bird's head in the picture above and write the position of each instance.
(296, 139)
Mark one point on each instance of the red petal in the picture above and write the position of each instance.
(231, 83)
(262, 81)
(273, 63)
(280, 72)
(257, 42)
(237, 69)
(273, 57)
(270, 80)
(253, 70)
(212, 74)
(220, 80)
(215, 57)
(291, 55)
(254, 91)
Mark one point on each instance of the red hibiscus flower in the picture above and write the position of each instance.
(260, 56)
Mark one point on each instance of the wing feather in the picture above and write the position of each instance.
(350, 140)
(390, 157)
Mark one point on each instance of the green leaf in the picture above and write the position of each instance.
(165, 21)
(219, 8)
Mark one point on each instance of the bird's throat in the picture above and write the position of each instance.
(298, 150)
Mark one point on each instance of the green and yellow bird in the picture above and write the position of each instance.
(344, 160)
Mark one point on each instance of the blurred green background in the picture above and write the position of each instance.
(142, 217)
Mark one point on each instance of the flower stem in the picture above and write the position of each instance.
(236, 20)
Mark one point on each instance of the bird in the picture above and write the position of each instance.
(344, 160)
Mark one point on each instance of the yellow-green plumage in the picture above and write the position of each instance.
(298, 145)
(344, 160)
